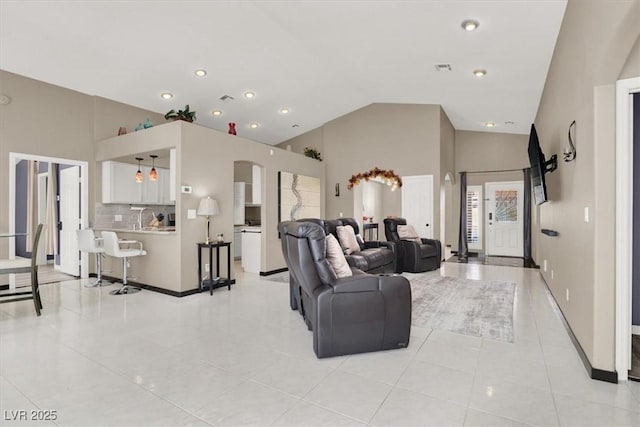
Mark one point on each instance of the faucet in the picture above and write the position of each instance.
(140, 209)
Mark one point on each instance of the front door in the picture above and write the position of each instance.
(417, 203)
(504, 218)
(70, 219)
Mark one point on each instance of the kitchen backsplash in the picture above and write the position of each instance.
(106, 215)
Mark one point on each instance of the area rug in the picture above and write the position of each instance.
(471, 307)
(278, 277)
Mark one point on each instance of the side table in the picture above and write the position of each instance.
(214, 282)
(370, 226)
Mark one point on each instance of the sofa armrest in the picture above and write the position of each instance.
(435, 243)
(380, 244)
(356, 283)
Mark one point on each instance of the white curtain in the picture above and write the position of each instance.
(51, 222)
(32, 202)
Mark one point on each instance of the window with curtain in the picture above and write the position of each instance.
(474, 217)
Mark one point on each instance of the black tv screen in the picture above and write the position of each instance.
(538, 168)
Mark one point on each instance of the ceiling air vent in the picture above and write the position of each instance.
(443, 67)
(295, 125)
(227, 98)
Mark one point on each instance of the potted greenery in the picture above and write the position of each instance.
(313, 153)
(186, 115)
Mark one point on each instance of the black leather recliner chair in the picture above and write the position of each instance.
(373, 257)
(348, 315)
(413, 257)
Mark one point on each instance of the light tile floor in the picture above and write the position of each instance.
(244, 358)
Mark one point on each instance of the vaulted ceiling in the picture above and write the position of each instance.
(319, 59)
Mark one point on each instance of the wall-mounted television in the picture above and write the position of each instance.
(539, 166)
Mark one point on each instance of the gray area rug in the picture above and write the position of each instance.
(471, 307)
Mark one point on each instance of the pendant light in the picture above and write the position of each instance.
(153, 173)
(139, 176)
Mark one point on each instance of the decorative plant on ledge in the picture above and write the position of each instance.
(387, 176)
(186, 115)
(313, 153)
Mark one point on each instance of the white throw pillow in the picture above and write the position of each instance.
(336, 257)
(407, 232)
(347, 238)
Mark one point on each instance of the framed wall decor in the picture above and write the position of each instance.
(298, 196)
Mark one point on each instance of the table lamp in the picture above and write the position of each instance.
(208, 207)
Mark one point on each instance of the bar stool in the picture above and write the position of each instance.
(87, 242)
(112, 248)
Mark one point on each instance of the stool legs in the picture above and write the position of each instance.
(99, 281)
(125, 289)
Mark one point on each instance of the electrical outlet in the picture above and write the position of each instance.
(567, 294)
(586, 214)
(544, 265)
(551, 274)
(191, 214)
(340, 214)
(206, 268)
(117, 218)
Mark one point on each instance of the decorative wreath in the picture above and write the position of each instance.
(388, 176)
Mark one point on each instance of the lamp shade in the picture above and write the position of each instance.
(208, 207)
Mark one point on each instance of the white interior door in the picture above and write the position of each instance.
(417, 203)
(504, 218)
(70, 219)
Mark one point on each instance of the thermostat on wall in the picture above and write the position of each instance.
(186, 189)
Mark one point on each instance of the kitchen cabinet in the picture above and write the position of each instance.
(172, 175)
(251, 242)
(237, 243)
(118, 183)
(256, 185)
(119, 186)
(238, 202)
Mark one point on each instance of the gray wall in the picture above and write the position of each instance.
(403, 137)
(47, 120)
(484, 151)
(580, 86)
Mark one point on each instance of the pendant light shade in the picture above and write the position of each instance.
(153, 173)
(139, 176)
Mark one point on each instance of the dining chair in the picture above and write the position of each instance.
(24, 265)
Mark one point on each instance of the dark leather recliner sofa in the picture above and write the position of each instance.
(413, 257)
(356, 314)
(373, 257)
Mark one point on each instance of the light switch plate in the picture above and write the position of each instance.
(117, 218)
(191, 214)
(586, 214)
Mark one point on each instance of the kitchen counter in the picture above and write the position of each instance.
(146, 230)
(159, 268)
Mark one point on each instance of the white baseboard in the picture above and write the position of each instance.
(635, 329)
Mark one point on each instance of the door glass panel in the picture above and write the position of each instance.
(506, 205)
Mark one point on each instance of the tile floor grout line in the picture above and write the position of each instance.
(393, 387)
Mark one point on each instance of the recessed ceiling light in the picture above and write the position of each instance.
(216, 112)
(470, 24)
(480, 73)
(249, 95)
(166, 95)
(200, 73)
(285, 110)
(254, 125)
(490, 124)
